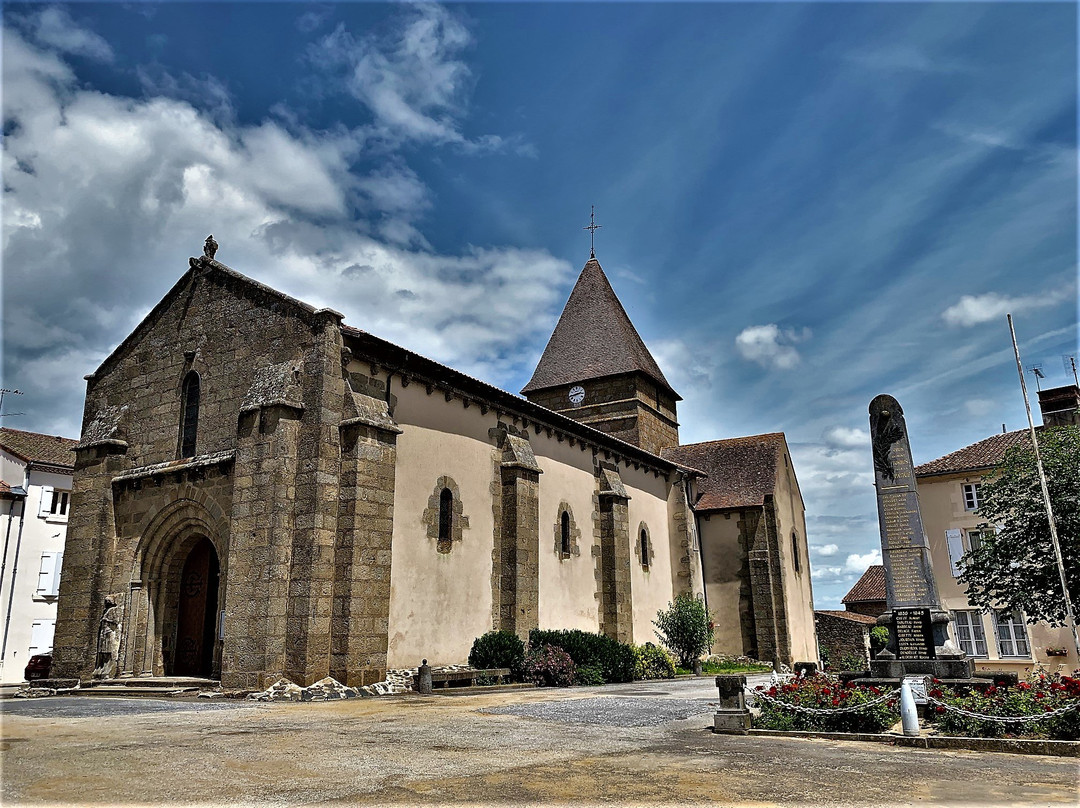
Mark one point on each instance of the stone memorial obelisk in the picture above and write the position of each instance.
(918, 627)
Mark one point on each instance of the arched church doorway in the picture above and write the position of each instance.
(196, 614)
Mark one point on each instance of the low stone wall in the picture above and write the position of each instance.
(841, 637)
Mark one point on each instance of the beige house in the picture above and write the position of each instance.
(35, 498)
(265, 491)
(949, 498)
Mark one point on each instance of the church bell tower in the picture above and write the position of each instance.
(597, 370)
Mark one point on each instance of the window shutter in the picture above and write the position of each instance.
(45, 506)
(41, 636)
(955, 540)
(45, 574)
(56, 574)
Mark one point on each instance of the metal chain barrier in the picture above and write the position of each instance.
(825, 711)
(1025, 719)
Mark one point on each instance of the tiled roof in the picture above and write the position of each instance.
(870, 587)
(741, 470)
(978, 456)
(32, 446)
(593, 338)
(854, 617)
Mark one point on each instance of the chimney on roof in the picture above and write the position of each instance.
(1060, 406)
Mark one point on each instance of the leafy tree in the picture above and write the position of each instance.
(1015, 567)
(684, 627)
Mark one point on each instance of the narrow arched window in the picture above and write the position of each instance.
(189, 416)
(644, 548)
(795, 550)
(446, 515)
(564, 527)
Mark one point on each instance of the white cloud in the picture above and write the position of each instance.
(825, 550)
(770, 346)
(107, 196)
(859, 563)
(412, 79)
(976, 309)
(842, 437)
(54, 28)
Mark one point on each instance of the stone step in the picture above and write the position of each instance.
(162, 682)
(124, 691)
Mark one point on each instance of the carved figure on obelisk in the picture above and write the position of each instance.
(108, 641)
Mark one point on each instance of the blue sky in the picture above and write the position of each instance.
(803, 205)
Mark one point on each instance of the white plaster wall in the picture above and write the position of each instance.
(39, 535)
(652, 590)
(439, 603)
(798, 591)
(724, 563)
(568, 586)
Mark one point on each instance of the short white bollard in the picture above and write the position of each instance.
(909, 716)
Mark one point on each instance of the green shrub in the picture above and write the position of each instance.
(549, 666)
(589, 675)
(824, 692)
(684, 627)
(879, 638)
(850, 662)
(614, 659)
(1036, 695)
(651, 662)
(498, 649)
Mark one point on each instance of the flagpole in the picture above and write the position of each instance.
(1045, 494)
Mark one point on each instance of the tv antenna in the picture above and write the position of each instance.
(1036, 370)
(1069, 361)
(3, 392)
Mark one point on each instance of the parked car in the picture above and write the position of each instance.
(38, 667)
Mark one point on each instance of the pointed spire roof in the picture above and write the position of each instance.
(593, 338)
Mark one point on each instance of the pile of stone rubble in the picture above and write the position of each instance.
(328, 689)
(398, 680)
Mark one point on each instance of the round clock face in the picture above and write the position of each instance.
(577, 394)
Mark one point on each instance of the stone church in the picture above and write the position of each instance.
(262, 491)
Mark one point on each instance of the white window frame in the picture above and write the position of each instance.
(970, 635)
(48, 585)
(1012, 636)
(971, 496)
(40, 629)
(55, 503)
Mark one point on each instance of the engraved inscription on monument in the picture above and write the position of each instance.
(914, 634)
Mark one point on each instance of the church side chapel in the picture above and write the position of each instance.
(263, 491)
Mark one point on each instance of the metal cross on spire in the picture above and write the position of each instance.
(592, 228)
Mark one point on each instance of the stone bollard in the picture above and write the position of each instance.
(697, 667)
(423, 679)
(732, 717)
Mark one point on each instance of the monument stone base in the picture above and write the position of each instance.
(963, 668)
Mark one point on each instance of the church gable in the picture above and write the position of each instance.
(215, 343)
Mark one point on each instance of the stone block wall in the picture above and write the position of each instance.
(613, 555)
(361, 616)
(841, 637)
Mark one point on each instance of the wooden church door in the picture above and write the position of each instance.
(195, 622)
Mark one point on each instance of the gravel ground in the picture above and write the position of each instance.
(612, 711)
(478, 750)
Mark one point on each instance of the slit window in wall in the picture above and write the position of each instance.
(643, 538)
(564, 534)
(189, 419)
(446, 518)
(795, 551)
